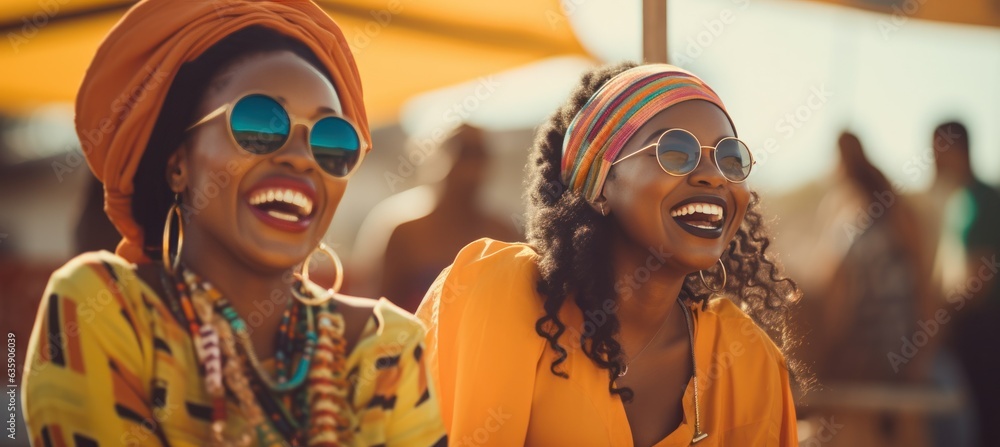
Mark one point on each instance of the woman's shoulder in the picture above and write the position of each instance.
(98, 275)
(490, 291)
(102, 286)
(493, 254)
(98, 297)
(487, 265)
(491, 276)
(94, 264)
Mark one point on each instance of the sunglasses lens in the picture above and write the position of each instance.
(336, 146)
(678, 152)
(259, 124)
(733, 158)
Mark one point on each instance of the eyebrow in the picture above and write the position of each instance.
(319, 110)
(655, 135)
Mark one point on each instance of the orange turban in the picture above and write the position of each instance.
(128, 80)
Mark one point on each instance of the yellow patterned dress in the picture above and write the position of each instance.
(108, 364)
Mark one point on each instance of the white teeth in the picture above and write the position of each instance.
(283, 216)
(304, 203)
(714, 211)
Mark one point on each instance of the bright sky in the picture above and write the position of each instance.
(792, 72)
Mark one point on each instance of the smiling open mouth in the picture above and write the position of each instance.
(284, 204)
(701, 216)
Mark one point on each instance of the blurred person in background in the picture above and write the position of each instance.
(240, 127)
(639, 313)
(969, 255)
(879, 291)
(409, 238)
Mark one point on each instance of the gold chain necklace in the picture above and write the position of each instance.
(698, 434)
(662, 323)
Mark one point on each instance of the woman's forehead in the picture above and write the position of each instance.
(705, 120)
(284, 75)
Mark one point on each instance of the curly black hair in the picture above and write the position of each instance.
(573, 242)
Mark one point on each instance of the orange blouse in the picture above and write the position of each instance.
(492, 368)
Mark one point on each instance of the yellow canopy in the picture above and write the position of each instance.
(968, 12)
(403, 47)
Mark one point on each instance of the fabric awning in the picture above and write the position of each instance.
(402, 47)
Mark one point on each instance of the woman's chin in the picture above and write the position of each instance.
(695, 264)
(273, 261)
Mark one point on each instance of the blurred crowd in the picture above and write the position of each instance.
(901, 305)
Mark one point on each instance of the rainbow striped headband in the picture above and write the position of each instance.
(611, 116)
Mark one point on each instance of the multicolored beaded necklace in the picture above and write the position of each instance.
(280, 410)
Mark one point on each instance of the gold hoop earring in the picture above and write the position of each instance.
(701, 273)
(175, 210)
(304, 276)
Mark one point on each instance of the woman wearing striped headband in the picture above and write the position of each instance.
(616, 324)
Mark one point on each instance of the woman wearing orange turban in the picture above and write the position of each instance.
(601, 331)
(224, 134)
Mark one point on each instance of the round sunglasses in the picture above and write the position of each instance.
(678, 153)
(260, 125)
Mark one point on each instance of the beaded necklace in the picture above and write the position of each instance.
(320, 412)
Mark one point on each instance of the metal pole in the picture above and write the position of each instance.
(654, 30)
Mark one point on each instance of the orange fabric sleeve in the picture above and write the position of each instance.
(482, 350)
(788, 435)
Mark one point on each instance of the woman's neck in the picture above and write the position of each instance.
(646, 282)
(259, 298)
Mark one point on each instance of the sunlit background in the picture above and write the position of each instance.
(794, 75)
